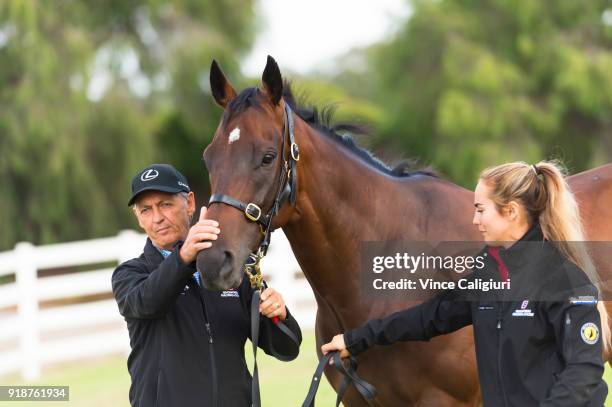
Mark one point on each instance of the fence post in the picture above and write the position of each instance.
(27, 310)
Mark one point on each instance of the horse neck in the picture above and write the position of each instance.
(340, 200)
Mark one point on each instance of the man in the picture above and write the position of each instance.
(187, 342)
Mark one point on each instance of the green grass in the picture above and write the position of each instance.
(105, 383)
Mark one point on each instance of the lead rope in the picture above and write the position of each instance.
(253, 271)
(349, 371)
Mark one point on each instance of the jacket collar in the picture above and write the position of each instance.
(151, 253)
(528, 248)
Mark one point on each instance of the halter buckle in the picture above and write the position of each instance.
(256, 280)
(253, 271)
(252, 212)
(295, 152)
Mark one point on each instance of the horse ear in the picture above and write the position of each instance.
(222, 89)
(272, 81)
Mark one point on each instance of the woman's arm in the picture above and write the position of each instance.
(445, 313)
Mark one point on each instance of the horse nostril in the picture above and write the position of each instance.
(227, 263)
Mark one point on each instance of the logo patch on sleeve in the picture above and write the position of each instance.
(589, 333)
(583, 300)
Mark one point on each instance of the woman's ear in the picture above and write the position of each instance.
(512, 210)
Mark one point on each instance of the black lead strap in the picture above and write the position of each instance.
(255, 396)
(255, 318)
(367, 391)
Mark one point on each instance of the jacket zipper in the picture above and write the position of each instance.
(211, 342)
(500, 313)
(566, 339)
(499, 353)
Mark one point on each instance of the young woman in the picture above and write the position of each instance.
(539, 343)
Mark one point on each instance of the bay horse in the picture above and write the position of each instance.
(344, 196)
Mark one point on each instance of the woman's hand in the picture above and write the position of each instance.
(337, 343)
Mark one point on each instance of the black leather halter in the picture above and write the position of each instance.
(287, 187)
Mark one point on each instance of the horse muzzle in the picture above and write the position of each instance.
(219, 269)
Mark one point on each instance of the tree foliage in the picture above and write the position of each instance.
(468, 84)
(67, 151)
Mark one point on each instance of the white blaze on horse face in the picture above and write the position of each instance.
(234, 135)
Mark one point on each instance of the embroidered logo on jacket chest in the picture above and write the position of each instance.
(230, 293)
(523, 311)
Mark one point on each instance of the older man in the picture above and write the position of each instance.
(187, 342)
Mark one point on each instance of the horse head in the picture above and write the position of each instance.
(251, 162)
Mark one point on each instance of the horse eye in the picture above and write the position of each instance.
(267, 159)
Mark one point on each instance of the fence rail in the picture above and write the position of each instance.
(72, 316)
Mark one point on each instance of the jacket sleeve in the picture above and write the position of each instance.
(143, 295)
(444, 313)
(272, 340)
(276, 343)
(578, 335)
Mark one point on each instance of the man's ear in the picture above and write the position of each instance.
(190, 204)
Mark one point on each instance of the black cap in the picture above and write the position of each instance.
(158, 177)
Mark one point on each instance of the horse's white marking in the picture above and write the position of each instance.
(234, 135)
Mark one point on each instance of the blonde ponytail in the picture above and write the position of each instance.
(560, 218)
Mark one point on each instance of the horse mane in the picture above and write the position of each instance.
(322, 119)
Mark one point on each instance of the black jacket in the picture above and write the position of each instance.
(187, 342)
(537, 344)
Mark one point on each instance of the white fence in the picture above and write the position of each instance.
(36, 329)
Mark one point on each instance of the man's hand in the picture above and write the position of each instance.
(337, 343)
(199, 237)
(272, 304)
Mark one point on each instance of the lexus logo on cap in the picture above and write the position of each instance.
(148, 175)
